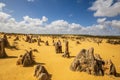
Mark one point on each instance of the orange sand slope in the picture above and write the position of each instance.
(55, 64)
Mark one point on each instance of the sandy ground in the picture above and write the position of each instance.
(55, 64)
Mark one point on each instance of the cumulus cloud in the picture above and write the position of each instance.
(59, 24)
(106, 8)
(62, 26)
(4, 16)
(27, 25)
(101, 20)
(118, 0)
(34, 22)
(30, 0)
(1, 6)
(114, 23)
(40, 25)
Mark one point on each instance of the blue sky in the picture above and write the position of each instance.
(70, 10)
(62, 16)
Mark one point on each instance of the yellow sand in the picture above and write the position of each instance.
(55, 64)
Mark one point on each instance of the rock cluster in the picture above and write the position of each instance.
(41, 73)
(26, 59)
(91, 63)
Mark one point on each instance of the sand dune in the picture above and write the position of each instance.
(55, 64)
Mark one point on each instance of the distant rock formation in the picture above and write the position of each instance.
(39, 40)
(47, 43)
(30, 39)
(16, 39)
(113, 41)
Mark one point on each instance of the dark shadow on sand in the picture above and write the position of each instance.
(9, 57)
(59, 52)
(13, 48)
(12, 57)
(35, 63)
(50, 76)
(117, 75)
(72, 57)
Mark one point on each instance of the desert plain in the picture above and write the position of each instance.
(57, 66)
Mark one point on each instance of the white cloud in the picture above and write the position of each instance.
(30, 0)
(105, 8)
(62, 26)
(58, 26)
(114, 23)
(36, 25)
(34, 21)
(101, 20)
(118, 0)
(44, 19)
(4, 16)
(1, 6)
